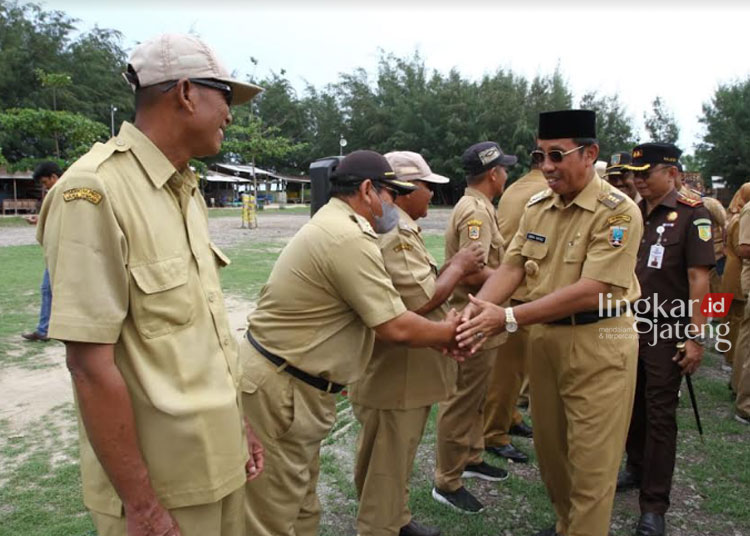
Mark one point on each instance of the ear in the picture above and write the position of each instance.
(186, 95)
(591, 153)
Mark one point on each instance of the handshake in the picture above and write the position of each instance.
(478, 321)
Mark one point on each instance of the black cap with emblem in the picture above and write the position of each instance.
(483, 156)
(563, 124)
(652, 154)
(617, 162)
(364, 164)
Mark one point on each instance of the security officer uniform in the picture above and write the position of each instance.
(310, 335)
(392, 400)
(460, 423)
(510, 371)
(677, 236)
(582, 367)
(126, 240)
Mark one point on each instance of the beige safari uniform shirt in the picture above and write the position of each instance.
(744, 238)
(510, 208)
(126, 240)
(399, 377)
(328, 288)
(596, 236)
(730, 279)
(473, 220)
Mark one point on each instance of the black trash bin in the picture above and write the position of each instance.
(320, 184)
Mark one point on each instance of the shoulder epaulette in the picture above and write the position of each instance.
(544, 194)
(689, 201)
(610, 199)
(364, 225)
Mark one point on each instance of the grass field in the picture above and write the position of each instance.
(40, 483)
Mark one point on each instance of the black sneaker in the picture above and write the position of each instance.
(509, 452)
(460, 500)
(485, 471)
(521, 430)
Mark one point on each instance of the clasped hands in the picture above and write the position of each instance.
(474, 325)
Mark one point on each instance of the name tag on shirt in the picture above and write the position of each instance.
(656, 257)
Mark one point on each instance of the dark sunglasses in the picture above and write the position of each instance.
(556, 156)
(225, 89)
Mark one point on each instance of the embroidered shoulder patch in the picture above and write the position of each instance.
(688, 201)
(403, 247)
(544, 194)
(475, 227)
(704, 232)
(620, 218)
(611, 199)
(702, 221)
(617, 236)
(87, 194)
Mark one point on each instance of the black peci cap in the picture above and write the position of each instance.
(483, 156)
(567, 124)
(652, 154)
(363, 164)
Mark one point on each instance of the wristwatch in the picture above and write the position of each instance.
(511, 326)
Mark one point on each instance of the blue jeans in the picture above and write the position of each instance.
(46, 309)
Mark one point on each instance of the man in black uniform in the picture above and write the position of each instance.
(674, 259)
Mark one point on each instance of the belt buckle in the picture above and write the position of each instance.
(329, 386)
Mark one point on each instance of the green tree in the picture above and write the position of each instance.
(725, 149)
(28, 135)
(660, 124)
(614, 128)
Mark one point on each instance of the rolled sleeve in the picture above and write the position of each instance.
(609, 264)
(360, 276)
(86, 252)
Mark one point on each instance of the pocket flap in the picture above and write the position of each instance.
(222, 259)
(534, 250)
(247, 385)
(159, 276)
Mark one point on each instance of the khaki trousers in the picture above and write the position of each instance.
(741, 366)
(736, 312)
(582, 387)
(386, 447)
(291, 419)
(222, 518)
(504, 388)
(460, 421)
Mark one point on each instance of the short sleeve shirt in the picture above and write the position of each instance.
(730, 279)
(686, 235)
(399, 377)
(595, 236)
(473, 221)
(327, 290)
(744, 238)
(126, 240)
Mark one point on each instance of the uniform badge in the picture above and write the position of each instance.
(475, 226)
(403, 247)
(672, 216)
(704, 232)
(617, 236)
(620, 218)
(531, 268)
(87, 194)
(536, 237)
(702, 221)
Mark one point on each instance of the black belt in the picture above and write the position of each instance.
(583, 318)
(315, 381)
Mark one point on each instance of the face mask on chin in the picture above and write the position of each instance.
(388, 220)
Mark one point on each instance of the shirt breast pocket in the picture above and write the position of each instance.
(160, 300)
(534, 250)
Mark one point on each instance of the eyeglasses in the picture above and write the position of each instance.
(225, 89)
(556, 156)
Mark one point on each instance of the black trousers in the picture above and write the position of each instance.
(652, 437)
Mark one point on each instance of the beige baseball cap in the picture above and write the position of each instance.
(411, 166)
(174, 56)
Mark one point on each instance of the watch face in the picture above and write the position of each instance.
(511, 327)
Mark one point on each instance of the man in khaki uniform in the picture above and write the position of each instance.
(576, 245)
(392, 400)
(460, 422)
(619, 176)
(741, 366)
(501, 417)
(313, 332)
(139, 305)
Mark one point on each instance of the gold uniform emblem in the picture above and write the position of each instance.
(672, 216)
(475, 226)
(704, 232)
(92, 196)
(403, 247)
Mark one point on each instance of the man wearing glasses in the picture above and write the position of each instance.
(139, 305)
(674, 259)
(576, 244)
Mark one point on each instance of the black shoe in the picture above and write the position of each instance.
(627, 480)
(547, 532)
(35, 336)
(460, 500)
(650, 524)
(417, 529)
(485, 471)
(521, 430)
(509, 452)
